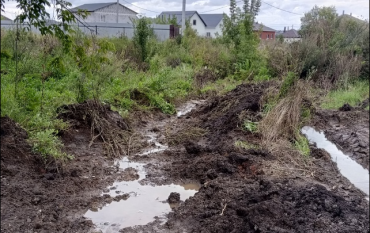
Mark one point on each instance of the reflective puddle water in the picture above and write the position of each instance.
(187, 107)
(145, 202)
(158, 147)
(349, 168)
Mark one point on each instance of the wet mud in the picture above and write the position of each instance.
(232, 189)
(349, 130)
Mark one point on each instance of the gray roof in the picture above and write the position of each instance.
(212, 20)
(257, 27)
(292, 33)
(95, 6)
(178, 15)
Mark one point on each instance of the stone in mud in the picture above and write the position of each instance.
(174, 198)
(345, 108)
(192, 148)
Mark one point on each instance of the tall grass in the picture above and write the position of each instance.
(352, 95)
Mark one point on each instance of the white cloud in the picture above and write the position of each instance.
(268, 15)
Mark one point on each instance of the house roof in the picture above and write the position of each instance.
(3, 17)
(95, 6)
(178, 15)
(212, 20)
(292, 33)
(257, 27)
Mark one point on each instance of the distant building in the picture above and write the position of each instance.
(207, 25)
(266, 33)
(106, 13)
(5, 18)
(290, 35)
(210, 25)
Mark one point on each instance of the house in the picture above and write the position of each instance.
(5, 18)
(290, 36)
(207, 25)
(210, 25)
(106, 13)
(266, 33)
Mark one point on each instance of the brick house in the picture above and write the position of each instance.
(266, 33)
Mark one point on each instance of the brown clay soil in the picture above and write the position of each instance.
(242, 190)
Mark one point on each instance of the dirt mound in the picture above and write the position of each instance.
(36, 199)
(105, 125)
(14, 148)
(222, 117)
(340, 129)
(238, 193)
(234, 205)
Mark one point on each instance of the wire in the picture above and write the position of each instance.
(261, 1)
(281, 9)
(141, 7)
(218, 8)
(83, 23)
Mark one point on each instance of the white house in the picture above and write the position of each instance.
(106, 13)
(207, 25)
(290, 35)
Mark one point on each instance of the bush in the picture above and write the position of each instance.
(48, 144)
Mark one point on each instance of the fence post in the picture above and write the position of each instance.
(96, 29)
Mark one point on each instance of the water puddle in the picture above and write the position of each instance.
(187, 107)
(145, 202)
(158, 147)
(349, 168)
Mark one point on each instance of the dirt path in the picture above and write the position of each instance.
(242, 187)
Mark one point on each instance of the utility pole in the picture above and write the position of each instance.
(183, 17)
(117, 10)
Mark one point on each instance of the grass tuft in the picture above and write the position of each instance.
(353, 95)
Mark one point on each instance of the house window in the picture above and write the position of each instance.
(208, 34)
(268, 36)
(194, 22)
(102, 18)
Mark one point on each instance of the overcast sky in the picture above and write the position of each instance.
(269, 15)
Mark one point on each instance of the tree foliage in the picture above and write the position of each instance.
(143, 32)
(34, 14)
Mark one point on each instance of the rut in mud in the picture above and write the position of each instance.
(236, 191)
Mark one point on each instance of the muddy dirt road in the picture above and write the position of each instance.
(199, 171)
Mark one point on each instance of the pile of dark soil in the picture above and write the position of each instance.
(264, 205)
(106, 127)
(237, 195)
(349, 130)
(35, 198)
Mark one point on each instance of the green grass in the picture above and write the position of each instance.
(245, 145)
(302, 145)
(353, 95)
(250, 126)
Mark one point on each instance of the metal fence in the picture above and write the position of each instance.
(162, 32)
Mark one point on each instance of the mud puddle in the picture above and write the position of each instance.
(145, 203)
(349, 168)
(188, 107)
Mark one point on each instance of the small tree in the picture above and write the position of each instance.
(142, 33)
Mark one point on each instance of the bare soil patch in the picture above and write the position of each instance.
(242, 187)
(238, 193)
(35, 198)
